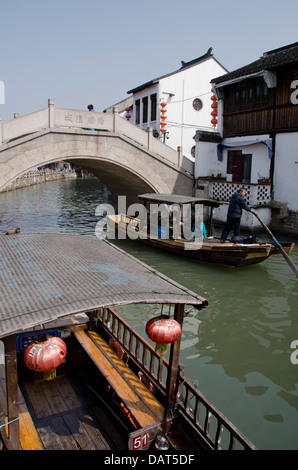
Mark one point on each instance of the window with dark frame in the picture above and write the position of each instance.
(153, 99)
(249, 94)
(145, 109)
(138, 108)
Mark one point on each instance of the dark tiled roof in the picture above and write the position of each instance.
(270, 60)
(184, 65)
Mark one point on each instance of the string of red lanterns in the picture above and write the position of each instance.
(163, 117)
(128, 115)
(214, 107)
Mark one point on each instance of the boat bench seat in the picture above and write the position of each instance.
(29, 438)
(28, 435)
(142, 405)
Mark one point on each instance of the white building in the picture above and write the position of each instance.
(255, 145)
(186, 93)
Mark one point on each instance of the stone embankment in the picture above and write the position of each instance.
(38, 176)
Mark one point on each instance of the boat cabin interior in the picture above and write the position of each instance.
(75, 375)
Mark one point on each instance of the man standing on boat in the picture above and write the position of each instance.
(237, 203)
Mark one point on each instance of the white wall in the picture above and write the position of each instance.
(183, 119)
(179, 90)
(286, 169)
(207, 163)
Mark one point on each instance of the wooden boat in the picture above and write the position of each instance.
(211, 250)
(112, 390)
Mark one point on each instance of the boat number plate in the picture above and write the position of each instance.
(139, 441)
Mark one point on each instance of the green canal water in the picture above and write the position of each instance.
(238, 350)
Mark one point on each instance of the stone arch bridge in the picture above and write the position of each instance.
(128, 160)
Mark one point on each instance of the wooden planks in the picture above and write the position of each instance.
(48, 398)
(63, 420)
(29, 438)
(136, 397)
(75, 430)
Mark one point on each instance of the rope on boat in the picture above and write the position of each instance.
(9, 422)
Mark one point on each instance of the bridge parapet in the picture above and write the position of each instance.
(52, 117)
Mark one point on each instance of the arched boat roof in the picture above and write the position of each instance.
(44, 277)
(177, 199)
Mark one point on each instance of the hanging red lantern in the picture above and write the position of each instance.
(214, 106)
(128, 115)
(162, 120)
(163, 330)
(163, 117)
(45, 355)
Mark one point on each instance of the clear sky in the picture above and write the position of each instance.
(94, 51)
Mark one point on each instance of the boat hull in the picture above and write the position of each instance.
(211, 251)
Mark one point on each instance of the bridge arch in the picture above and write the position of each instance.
(128, 160)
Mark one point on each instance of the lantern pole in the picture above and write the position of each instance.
(173, 361)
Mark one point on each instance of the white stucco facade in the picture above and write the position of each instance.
(207, 162)
(286, 170)
(179, 90)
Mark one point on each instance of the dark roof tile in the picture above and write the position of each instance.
(270, 60)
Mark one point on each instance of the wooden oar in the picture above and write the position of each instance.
(276, 243)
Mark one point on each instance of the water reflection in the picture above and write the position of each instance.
(237, 349)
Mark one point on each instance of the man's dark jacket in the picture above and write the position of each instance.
(237, 203)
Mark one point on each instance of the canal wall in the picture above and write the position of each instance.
(38, 176)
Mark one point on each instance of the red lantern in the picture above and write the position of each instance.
(45, 355)
(163, 116)
(128, 115)
(214, 106)
(163, 330)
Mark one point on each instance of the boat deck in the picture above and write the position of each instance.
(67, 416)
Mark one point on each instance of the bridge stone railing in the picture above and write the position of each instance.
(72, 119)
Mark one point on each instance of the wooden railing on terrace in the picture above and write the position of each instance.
(205, 421)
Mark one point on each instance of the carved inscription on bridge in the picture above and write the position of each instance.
(82, 119)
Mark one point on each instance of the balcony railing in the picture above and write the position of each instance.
(221, 190)
(205, 421)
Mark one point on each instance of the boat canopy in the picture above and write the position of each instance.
(177, 199)
(44, 277)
